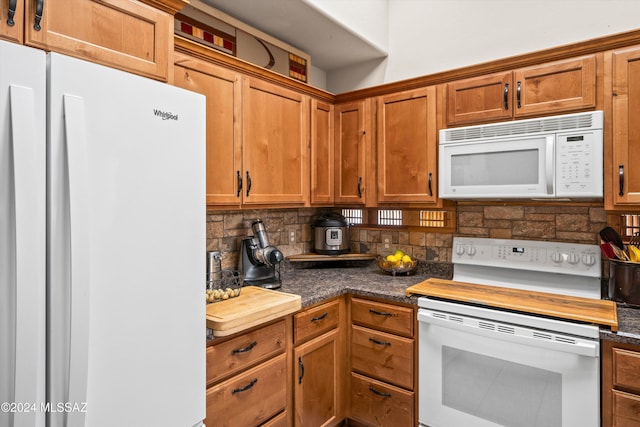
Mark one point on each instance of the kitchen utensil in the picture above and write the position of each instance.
(621, 254)
(634, 253)
(608, 234)
(635, 239)
(607, 250)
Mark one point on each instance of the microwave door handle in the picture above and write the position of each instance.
(550, 163)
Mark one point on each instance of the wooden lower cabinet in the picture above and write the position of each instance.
(249, 376)
(377, 403)
(318, 365)
(383, 364)
(620, 385)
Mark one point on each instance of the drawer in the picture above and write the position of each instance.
(383, 356)
(235, 355)
(380, 404)
(383, 317)
(277, 421)
(251, 398)
(316, 321)
(626, 409)
(626, 369)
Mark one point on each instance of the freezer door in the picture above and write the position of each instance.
(126, 238)
(22, 235)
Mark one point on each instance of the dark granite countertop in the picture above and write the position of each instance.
(317, 284)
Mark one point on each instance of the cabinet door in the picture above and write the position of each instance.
(560, 86)
(624, 176)
(222, 89)
(480, 99)
(321, 153)
(316, 389)
(407, 146)
(351, 141)
(124, 34)
(12, 33)
(275, 135)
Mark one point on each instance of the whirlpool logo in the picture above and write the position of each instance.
(164, 115)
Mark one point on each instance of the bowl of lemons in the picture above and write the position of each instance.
(397, 263)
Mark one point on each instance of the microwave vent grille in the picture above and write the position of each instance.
(521, 127)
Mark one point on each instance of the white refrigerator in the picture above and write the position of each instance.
(102, 236)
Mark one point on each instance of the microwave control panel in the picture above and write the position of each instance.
(579, 169)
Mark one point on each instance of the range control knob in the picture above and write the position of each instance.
(557, 257)
(459, 249)
(573, 258)
(471, 250)
(588, 259)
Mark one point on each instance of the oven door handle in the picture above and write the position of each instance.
(580, 347)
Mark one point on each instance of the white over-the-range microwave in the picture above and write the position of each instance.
(556, 157)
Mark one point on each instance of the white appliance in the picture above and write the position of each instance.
(559, 157)
(102, 225)
(486, 367)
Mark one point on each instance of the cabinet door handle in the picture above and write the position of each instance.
(322, 316)
(380, 313)
(506, 96)
(430, 180)
(11, 12)
(245, 388)
(379, 393)
(239, 184)
(384, 343)
(245, 349)
(518, 90)
(621, 178)
(301, 369)
(360, 186)
(248, 183)
(38, 17)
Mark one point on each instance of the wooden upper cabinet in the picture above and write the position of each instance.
(124, 34)
(407, 147)
(275, 144)
(13, 33)
(322, 165)
(622, 169)
(556, 87)
(222, 88)
(351, 149)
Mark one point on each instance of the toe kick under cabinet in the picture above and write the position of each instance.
(383, 364)
(248, 377)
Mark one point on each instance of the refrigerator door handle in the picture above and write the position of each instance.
(77, 161)
(29, 310)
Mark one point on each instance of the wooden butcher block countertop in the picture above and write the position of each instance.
(599, 312)
(254, 305)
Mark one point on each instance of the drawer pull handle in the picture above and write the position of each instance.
(245, 388)
(379, 393)
(301, 369)
(380, 313)
(245, 349)
(375, 341)
(11, 13)
(322, 316)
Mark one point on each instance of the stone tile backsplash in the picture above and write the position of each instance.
(290, 230)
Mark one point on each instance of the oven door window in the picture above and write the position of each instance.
(500, 391)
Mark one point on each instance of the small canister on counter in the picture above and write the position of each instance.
(624, 282)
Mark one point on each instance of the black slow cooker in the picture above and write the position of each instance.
(331, 234)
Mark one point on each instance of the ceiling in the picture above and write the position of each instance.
(330, 44)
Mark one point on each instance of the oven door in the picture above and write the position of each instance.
(514, 168)
(476, 372)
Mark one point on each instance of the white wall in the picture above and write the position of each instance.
(429, 36)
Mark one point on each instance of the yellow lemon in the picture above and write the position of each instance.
(399, 254)
(392, 258)
(406, 259)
